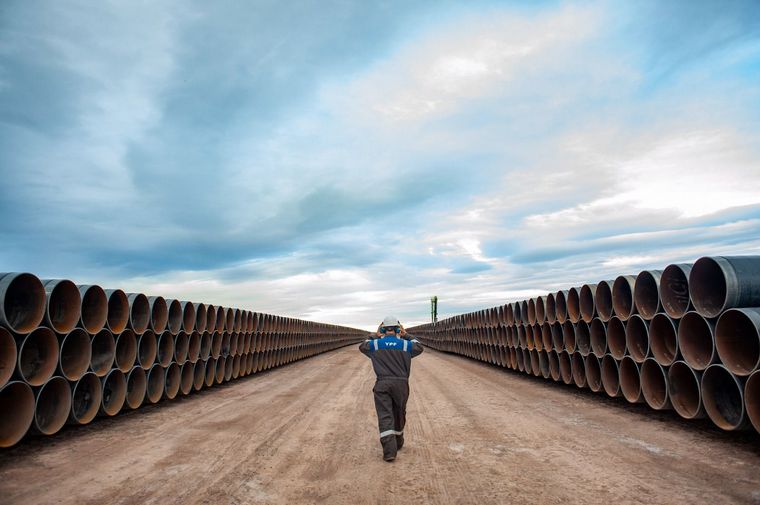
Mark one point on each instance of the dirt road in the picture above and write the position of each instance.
(307, 433)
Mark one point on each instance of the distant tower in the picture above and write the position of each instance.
(434, 309)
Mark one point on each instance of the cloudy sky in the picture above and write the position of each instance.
(340, 160)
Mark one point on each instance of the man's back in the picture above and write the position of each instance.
(391, 356)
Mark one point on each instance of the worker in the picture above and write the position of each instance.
(391, 350)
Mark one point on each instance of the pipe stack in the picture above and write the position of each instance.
(685, 338)
(71, 353)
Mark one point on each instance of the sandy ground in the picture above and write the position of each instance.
(306, 433)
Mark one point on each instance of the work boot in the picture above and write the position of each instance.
(389, 447)
(399, 442)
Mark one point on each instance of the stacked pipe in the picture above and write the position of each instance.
(685, 338)
(70, 353)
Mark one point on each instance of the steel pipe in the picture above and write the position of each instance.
(22, 302)
(147, 349)
(663, 339)
(75, 354)
(616, 337)
(603, 300)
(610, 376)
(210, 372)
(646, 293)
(630, 380)
(126, 351)
(221, 318)
(565, 368)
(752, 399)
(587, 303)
(16, 412)
(181, 347)
(593, 373)
(139, 312)
(86, 395)
(8, 355)
(519, 356)
(578, 365)
(94, 310)
(229, 319)
(159, 313)
(637, 338)
(556, 337)
(654, 385)
(560, 300)
(723, 397)
(165, 349)
(723, 282)
(188, 317)
(187, 378)
(114, 392)
(52, 404)
(63, 305)
(200, 317)
(543, 364)
(228, 367)
(205, 350)
(174, 320)
(674, 290)
(194, 347)
(137, 387)
(172, 381)
(550, 307)
(220, 365)
(118, 310)
(38, 356)
(199, 374)
(540, 309)
(737, 339)
(103, 352)
(210, 318)
(583, 338)
(696, 340)
(216, 345)
(531, 311)
(685, 390)
(568, 336)
(573, 305)
(155, 383)
(622, 296)
(598, 336)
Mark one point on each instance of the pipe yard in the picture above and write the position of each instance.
(643, 388)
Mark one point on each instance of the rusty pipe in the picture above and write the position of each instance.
(94, 309)
(603, 300)
(199, 374)
(103, 352)
(610, 375)
(587, 302)
(622, 296)
(598, 335)
(86, 395)
(723, 397)
(565, 368)
(155, 383)
(126, 351)
(37, 356)
(187, 378)
(531, 311)
(114, 392)
(220, 365)
(229, 319)
(573, 305)
(630, 380)
(637, 338)
(205, 351)
(52, 404)
(696, 340)
(221, 318)
(194, 347)
(752, 399)
(737, 339)
(646, 293)
(22, 302)
(8, 353)
(210, 372)
(550, 308)
(147, 349)
(188, 316)
(201, 318)
(174, 319)
(583, 337)
(578, 364)
(593, 373)
(139, 312)
(723, 282)
(181, 347)
(685, 390)
(210, 318)
(654, 385)
(16, 412)
(137, 387)
(554, 366)
(616, 337)
(159, 313)
(674, 290)
(165, 349)
(75, 354)
(560, 300)
(118, 310)
(663, 339)
(63, 305)
(216, 345)
(540, 309)
(568, 336)
(172, 380)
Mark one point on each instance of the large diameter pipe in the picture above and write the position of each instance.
(685, 390)
(63, 305)
(550, 308)
(165, 350)
(610, 376)
(229, 321)
(737, 339)
(137, 387)
(616, 337)
(38, 356)
(174, 321)
(654, 385)
(752, 399)
(114, 392)
(723, 397)
(22, 302)
(578, 364)
(622, 296)
(188, 316)
(574, 305)
(75, 354)
(565, 368)
(139, 312)
(159, 313)
(187, 377)
(723, 282)
(103, 352)
(593, 373)
(181, 347)
(52, 405)
(587, 302)
(674, 290)
(118, 310)
(16, 412)
(603, 300)
(210, 372)
(201, 319)
(220, 365)
(8, 353)
(199, 374)
(228, 368)
(583, 338)
(155, 383)
(646, 293)
(147, 349)
(210, 318)
(560, 300)
(86, 394)
(205, 350)
(598, 332)
(696, 341)
(94, 310)
(568, 336)
(637, 338)
(630, 380)
(541, 309)
(663, 339)
(221, 318)
(194, 347)
(172, 381)
(126, 351)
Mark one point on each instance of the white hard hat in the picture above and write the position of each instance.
(390, 321)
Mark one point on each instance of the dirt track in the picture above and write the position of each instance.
(306, 433)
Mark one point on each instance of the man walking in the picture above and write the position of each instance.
(391, 352)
